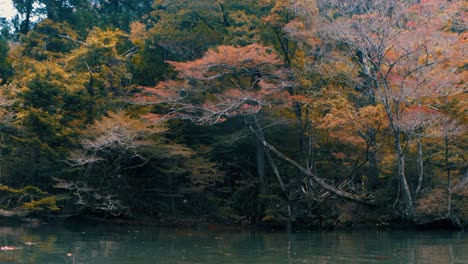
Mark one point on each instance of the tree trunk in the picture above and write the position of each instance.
(260, 137)
(447, 166)
(26, 24)
(373, 170)
(261, 167)
(420, 165)
(402, 176)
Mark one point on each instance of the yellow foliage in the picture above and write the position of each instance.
(122, 127)
(6, 189)
(44, 204)
(138, 32)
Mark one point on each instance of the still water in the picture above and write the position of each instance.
(91, 243)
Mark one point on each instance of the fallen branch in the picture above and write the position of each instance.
(314, 177)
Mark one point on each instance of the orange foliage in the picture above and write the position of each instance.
(226, 81)
(228, 59)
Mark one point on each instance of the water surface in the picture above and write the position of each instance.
(91, 243)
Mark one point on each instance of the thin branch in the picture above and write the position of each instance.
(74, 40)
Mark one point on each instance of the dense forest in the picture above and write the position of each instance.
(311, 113)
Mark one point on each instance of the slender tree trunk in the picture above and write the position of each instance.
(402, 176)
(393, 118)
(261, 166)
(420, 165)
(260, 158)
(37, 161)
(447, 166)
(306, 140)
(373, 169)
(291, 215)
(260, 138)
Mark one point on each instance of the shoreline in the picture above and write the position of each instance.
(395, 225)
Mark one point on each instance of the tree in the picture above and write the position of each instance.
(26, 11)
(47, 105)
(5, 29)
(395, 61)
(101, 67)
(227, 82)
(414, 123)
(6, 121)
(79, 14)
(44, 42)
(112, 149)
(186, 29)
(353, 126)
(118, 14)
(5, 66)
(47, 108)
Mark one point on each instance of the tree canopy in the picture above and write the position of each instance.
(306, 112)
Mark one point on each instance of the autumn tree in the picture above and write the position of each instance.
(109, 147)
(44, 116)
(355, 126)
(394, 60)
(62, 83)
(46, 99)
(414, 123)
(6, 122)
(101, 65)
(250, 75)
(112, 150)
(226, 82)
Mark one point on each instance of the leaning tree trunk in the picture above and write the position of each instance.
(260, 137)
(314, 177)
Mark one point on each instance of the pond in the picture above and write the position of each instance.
(76, 242)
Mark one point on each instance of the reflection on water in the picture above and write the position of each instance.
(84, 243)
